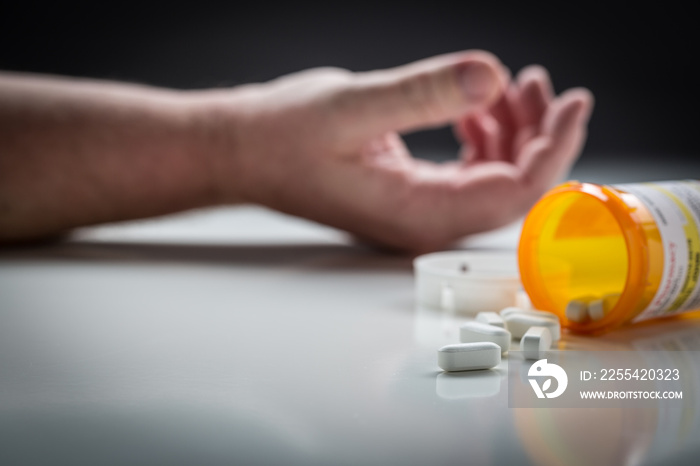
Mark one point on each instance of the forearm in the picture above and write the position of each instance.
(78, 152)
(322, 144)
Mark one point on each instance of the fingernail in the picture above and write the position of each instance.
(479, 81)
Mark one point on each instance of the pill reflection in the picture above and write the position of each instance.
(468, 385)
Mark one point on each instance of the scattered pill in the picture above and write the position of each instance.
(474, 332)
(535, 342)
(596, 309)
(490, 318)
(530, 312)
(599, 308)
(577, 311)
(469, 356)
(518, 323)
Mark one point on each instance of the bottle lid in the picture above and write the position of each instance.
(467, 282)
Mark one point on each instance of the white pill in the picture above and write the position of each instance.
(596, 309)
(530, 312)
(517, 323)
(577, 311)
(474, 332)
(535, 342)
(490, 318)
(599, 308)
(469, 356)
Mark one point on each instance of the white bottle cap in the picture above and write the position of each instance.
(467, 282)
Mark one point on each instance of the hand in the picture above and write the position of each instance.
(324, 144)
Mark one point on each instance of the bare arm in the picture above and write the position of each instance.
(78, 152)
(322, 144)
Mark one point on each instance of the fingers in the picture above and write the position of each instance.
(548, 156)
(492, 134)
(469, 129)
(514, 120)
(485, 138)
(534, 96)
(520, 110)
(425, 93)
(504, 118)
(517, 114)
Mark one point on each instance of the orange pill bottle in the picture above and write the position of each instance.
(601, 256)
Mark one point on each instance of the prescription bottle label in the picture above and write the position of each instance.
(675, 206)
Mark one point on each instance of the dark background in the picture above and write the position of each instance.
(640, 63)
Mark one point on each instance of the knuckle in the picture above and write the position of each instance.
(422, 96)
(332, 72)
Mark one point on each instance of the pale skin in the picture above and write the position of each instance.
(323, 144)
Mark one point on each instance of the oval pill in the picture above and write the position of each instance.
(531, 312)
(469, 356)
(490, 318)
(596, 309)
(517, 323)
(577, 311)
(599, 308)
(535, 342)
(473, 332)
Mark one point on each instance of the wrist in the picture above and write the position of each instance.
(216, 136)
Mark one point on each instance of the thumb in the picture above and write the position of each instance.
(425, 93)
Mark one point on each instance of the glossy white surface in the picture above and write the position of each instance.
(239, 336)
